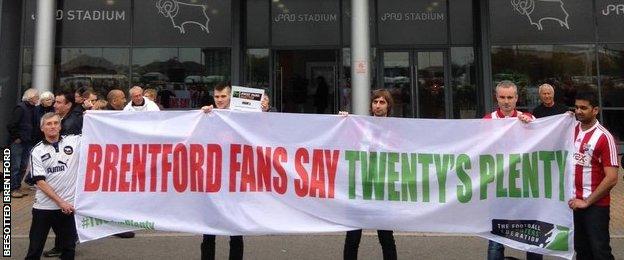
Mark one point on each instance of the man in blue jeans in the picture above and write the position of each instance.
(22, 129)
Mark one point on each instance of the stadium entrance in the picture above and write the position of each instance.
(305, 81)
(417, 80)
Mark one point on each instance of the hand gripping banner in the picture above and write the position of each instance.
(238, 173)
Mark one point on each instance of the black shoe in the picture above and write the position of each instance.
(54, 252)
(125, 235)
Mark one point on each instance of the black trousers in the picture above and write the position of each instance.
(591, 233)
(208, 247)
(65, 229)
(386, 239)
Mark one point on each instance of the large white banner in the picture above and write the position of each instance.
(238, 173)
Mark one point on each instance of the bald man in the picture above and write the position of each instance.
(116, 100)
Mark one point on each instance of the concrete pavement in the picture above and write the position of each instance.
(318, 246)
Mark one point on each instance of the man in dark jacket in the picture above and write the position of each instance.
(71, 118)
(116, 100)
(548, 107)
(22, 129)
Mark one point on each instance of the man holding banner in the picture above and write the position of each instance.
(507, 97)
(54, 168)
(595, 171)
(222, 94)
(381, 106)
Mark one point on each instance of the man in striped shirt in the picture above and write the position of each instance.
(595, 171)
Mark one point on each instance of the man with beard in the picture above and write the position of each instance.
(381, 106)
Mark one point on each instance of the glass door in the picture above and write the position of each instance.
(397, 78)
(417, 81)
(305, 81)
(431, 82)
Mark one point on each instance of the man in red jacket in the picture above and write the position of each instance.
(507, 97)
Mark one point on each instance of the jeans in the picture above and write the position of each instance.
(591, 233)
(386, 239)
(496, 251)
(20, 154)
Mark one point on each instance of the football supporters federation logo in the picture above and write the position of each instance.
(533, 232)
(538, 11)
(184, 14)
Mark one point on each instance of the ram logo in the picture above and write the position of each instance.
(182, 14)
(540, 10)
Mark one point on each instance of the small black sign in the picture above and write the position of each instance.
(45, 157)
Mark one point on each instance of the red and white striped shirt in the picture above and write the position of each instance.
(595, 149)
(498, 114)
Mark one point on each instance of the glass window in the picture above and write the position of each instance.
(463, 82)
(27, 68)
(345, 80)
(569, 68)
(614, 123)
(611, 59)
(257, 69)
(102, 69)
(183, 77)
(430, 73)
(397, 79)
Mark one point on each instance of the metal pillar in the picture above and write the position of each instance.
(360, 57)
(484, 52)
(45, 32)
(236, 51)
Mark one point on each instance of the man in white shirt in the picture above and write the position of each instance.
(138, 102)
(54, 167)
